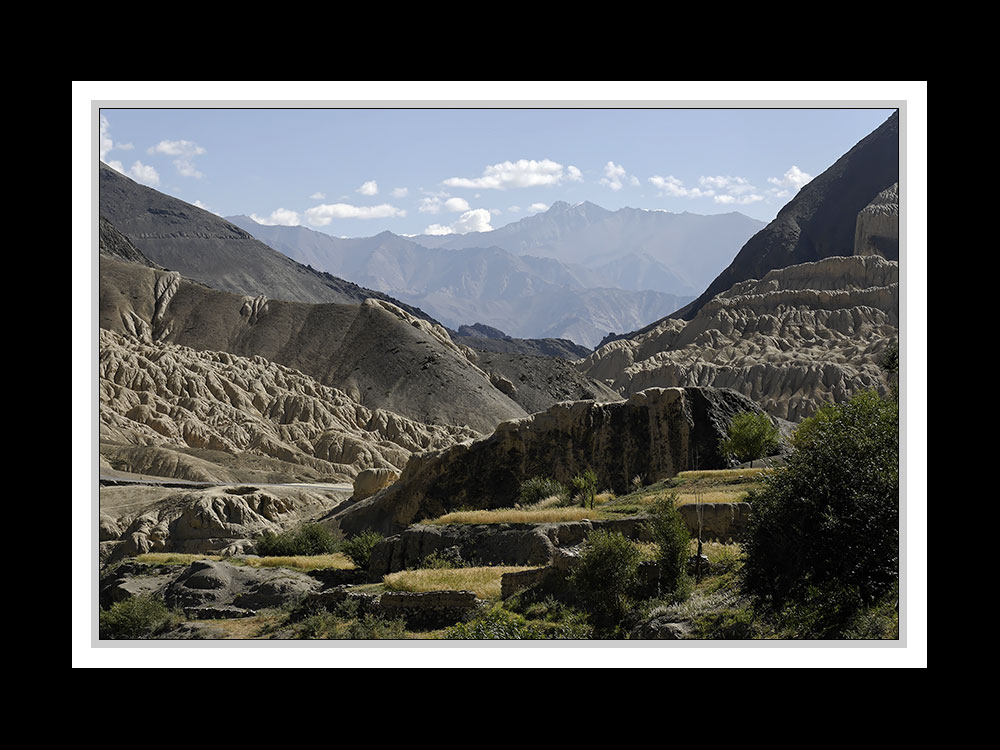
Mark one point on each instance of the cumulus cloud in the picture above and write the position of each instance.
(185, 151)
(518, 174)
(176, 148)
(201, 205)
(106, 143)
(318, 196)
(368, 188)
(116, 165)
(742, 200)
(539, 207)
(514, 209)
(320, 216)
(475, 220)
(280, 216)
(144, 173)
(456, 205)
(789, 183)
(675, 188)
(614, 176)
(400, 192)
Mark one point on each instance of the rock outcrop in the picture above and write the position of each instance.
(656, 433)
(877, 230)
(196, 409)
(796, 339)
(370, 481)
(219, 520)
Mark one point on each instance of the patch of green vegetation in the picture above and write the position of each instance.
(305, 539)
(359, 547)
(536, 489)
(822, 544)
(673, 541)
(606, 578)
(135, 618)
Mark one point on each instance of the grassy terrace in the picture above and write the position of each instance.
(301, 562)
(484, 581)
(723, 486)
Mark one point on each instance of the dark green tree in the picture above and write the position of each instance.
(673, 541)
(823, 535)
(606, 578)
(751, 436)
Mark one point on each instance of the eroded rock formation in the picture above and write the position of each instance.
(792, 341)
(173, 398)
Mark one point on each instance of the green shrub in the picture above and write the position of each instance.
(133, 618)
(585, 486)
(359, 547)
(537, 489)
(496, 624)
(673, 541)
(727, 624)
(751, 436)
(307, 539)
(606, 578)
(822, 542)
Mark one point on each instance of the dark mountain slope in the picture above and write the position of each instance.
(207, 248)
(819, 222)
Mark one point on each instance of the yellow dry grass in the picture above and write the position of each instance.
(723, 475)
(299, 562)
(514, 515)
(484, 581)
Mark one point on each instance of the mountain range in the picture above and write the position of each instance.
(575, 272)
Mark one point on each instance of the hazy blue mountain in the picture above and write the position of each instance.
(525, 296)
(692, 246)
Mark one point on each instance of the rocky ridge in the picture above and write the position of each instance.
(792, 341)
(655, 434)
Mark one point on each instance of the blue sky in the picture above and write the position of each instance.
(357, 172)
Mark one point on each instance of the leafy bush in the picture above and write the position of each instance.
(751, 436)
(136, 617)
(496, 624)
(307, 539)
(822, 542)
(673, 541)
(585, 486)
(537, 489)
(359, 548)
(606, 578)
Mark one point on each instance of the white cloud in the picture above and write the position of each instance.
(476, 220)
(186, 168)
(320, 216)
(514, 209)
(176, 148)
(400, 192)
(539, 207)
(613, 175)
(318, 196)
(674, 188)
(742, 200)
(106, 144)
(144, 173)
(456, 205)
(368, 188)
(430, 205)
(518, 174)
(116, 165)
(791, 182)
(280, 216)
(496, 211)
(183, 149)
